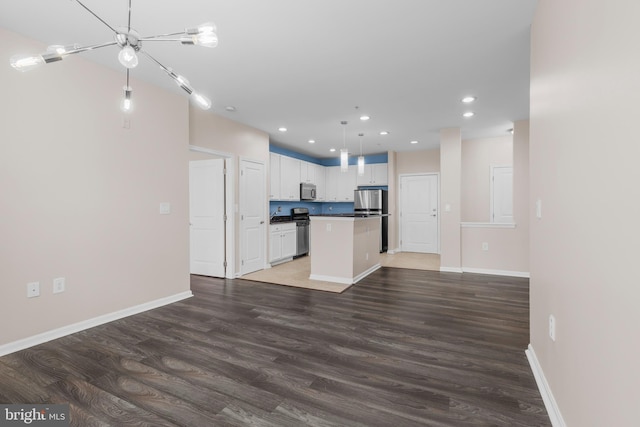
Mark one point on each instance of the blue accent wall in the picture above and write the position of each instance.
(295, 155)
(331, 161)
(315, 208)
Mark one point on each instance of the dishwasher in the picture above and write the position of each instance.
(301, 217)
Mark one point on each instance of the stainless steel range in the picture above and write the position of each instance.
(301, 217)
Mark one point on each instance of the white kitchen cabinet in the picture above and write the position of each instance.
(340, 185)
(374, 174)
(282, 241)
(347, 182)
(307, 172)
(331, 183)
(274, 176)
(321, 185)
(289, 178)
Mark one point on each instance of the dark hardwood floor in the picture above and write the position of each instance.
(400, 348)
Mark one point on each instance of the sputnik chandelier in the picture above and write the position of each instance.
(130, 43)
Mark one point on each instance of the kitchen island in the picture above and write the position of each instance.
(344, 248)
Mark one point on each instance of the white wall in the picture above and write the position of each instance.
(478, 155)
(80, 195)
(209, 130)
(508, 248)
(585, 75)
(450, 199)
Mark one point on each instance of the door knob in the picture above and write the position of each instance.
(261, 222)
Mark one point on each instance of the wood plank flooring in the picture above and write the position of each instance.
(400, 348)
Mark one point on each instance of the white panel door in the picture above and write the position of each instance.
(502, 194)
(252, 216)
(419, 213)
(206, 217)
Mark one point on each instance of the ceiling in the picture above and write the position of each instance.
(307, 65)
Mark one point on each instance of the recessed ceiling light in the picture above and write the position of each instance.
(282, 129)
(469, 114)
(384, 132)
(332, 149)
(468, 99)
(364, 118)
(312, 141)
(414, 142)
(230, 108)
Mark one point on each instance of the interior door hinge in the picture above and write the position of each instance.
(224, 171)
(224, 218)
(242, 262)
(224, 264)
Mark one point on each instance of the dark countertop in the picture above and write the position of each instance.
(280, 219)
(351, 215)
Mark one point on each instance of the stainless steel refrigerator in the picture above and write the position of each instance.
(374, 202)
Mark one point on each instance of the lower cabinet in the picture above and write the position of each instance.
(282, 241)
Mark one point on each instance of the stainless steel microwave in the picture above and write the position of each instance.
(307, 191)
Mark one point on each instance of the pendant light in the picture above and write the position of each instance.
(360, 157)
(344, 153)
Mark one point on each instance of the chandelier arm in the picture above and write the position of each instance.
(159, 36)
(187, 88)
(129, 22)
(159, 40)
(91, 47)
(99, 19)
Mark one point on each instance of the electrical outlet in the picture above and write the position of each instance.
(33, 289)
(552, 327)
(58, 285)
(485, 246)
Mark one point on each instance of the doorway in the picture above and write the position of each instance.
(419, 223)
(207, 218)
(253, 190)
(208, 253)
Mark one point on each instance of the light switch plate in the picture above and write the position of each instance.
(165, 208)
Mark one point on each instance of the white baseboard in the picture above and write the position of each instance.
(24, 343)
(451, 269)
(496, 272)
(345, 280)
(545, 391)
(334, 279)
(366, 273)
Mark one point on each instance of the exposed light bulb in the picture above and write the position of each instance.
(207, 40)
(128, 57)
(201, 100)
(62, 50)
(204, 35)
(183, 83)
(25, 62)
(126, 101)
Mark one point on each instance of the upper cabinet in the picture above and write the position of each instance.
(289, 178)
(308, 172)
(332, 185)
(340, 185)
(374, 174)
(321, 185)
(274, 175)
